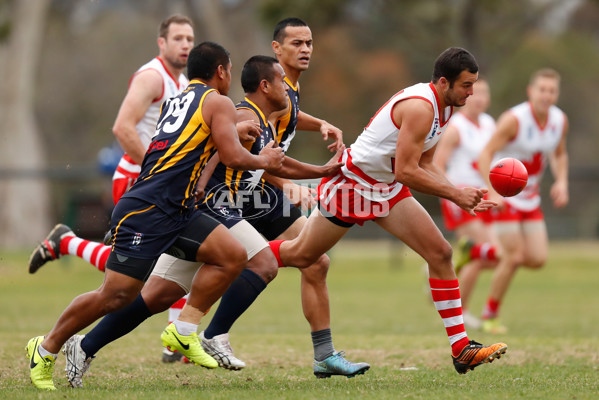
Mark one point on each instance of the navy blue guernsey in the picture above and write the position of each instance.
(235, 179)
(179, 151)
(286, 124)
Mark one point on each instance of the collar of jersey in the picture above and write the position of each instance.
(262, 117)
(203, 83)
(290, 84)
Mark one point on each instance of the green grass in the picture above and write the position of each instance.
(381, 314)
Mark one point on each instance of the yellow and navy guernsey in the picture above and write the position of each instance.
(180, 148)
(286, 124)
(234, 179)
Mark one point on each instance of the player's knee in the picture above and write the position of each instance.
(117, 299)
(264, 264)
(515, 258)
(440, 254)
(317, 271)
(534, 262)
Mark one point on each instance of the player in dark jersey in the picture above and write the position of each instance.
(262, 77)
(157, 213)
(292, 44)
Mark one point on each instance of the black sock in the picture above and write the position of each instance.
(115, 325)
(323, 344)
(240, 295)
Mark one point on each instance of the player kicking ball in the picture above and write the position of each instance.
(393, 153)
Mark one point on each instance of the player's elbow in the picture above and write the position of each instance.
(404, 176)
(232, 161)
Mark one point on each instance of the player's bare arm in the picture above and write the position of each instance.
(307, 122)
(220, 114)
(506, 130)
(294, 169)
(415, 117)
(559, 168)
(248, 125)
(145, 87)
(446, 146)
(205, 176)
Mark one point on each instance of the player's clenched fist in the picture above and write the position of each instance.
(273, 155)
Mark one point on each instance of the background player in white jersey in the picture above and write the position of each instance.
(159, 79)
(395, 151)
(534, 132)
(457, 154)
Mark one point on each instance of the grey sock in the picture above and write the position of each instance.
(323, 344)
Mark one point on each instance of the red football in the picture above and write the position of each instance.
(508, 177)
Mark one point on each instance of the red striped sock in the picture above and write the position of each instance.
(448, 302)
(93, 252)
(491, 308)
(483, 251)
(175, 310)
(275, 246)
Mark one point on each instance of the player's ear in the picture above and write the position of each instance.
(264, 85)
(221, 71)
(161, 42)
(276, 47)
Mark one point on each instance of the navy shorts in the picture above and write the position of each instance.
(266, 208)
(141, 232)
(275, 219)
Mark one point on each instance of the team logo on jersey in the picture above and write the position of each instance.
(434, 129)
(248, 200)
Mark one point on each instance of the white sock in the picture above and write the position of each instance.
(43, 352)
(185, 328)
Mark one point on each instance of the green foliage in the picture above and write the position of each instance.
(380, 314)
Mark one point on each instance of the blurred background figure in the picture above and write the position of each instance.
(533, 132)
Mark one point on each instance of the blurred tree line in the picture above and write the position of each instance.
(66, 64)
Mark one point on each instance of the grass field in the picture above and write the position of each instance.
(381, 315)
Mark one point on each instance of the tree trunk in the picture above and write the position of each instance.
(24, 217)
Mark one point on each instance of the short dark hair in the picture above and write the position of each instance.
(173, 19)
(204, 60)
(255, 70)
(452, 62)
(279, 33)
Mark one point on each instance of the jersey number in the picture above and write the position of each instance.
(176, 111)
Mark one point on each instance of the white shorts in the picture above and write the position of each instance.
(182, 272)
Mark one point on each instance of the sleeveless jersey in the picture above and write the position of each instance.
(239, 179)
(285, 125)
(170, 88)
(181, 147)
(532, 145)
(462, 166)
(370, 161)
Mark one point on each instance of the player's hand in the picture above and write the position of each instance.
(248, 130)
(300, 196)
(200, 191)
(273, 154)
(333, 165)
(559, 194)
(329, 131)
(469, 198)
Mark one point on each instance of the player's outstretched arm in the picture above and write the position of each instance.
(306, 122)
(219, 113)
(294, 169)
